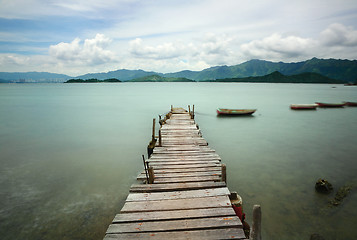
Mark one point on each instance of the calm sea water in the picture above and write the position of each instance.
(69, 153)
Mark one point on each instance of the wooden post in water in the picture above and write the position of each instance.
(224, 173)
(151, 175)
(172, 108)
(255, 232)
(146, 171)
(189, 109)
(160, 138)
(153, 129)
(193, 111)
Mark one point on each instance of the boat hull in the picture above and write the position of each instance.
(351, 104)
(235, 112)
(330, 105)
(303, 106)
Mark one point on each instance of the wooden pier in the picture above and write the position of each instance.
(183, 193)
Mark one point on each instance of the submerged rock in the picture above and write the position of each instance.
(323, 186)
(340, 195)
(316, 236)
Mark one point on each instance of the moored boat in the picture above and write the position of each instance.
(234, 112)
(303, 106)
(330, 105)
(351, 104)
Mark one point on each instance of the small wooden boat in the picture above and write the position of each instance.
(303, 106)
(234, 112)
(330, 105)
(351, 104)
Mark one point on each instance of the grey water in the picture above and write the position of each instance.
(69, 153)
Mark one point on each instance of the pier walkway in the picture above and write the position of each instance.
(186, 197)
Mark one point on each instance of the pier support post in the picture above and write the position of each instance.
(153, 130)
(255, 233)
(160, 144)
(193, 111)
(224, 173)
(189, 109)
(151, 175)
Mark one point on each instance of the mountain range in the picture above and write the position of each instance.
(343, 70)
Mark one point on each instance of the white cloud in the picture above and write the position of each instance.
(162, 51)
(276, 47)
(91, 52)
(339, 35)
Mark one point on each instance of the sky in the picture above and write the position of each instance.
(75, 37)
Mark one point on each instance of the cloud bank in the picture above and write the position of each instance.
(167, 36)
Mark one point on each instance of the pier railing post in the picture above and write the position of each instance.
(151, 175)
(224, 173)
(193, 111)
(153, 129)
(255, 232)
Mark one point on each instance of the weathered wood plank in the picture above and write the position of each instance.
(187, 170)
(187, 166)
(176, 204)
(182, 162)
(173, 215)
(175, 225)
(183, 157)
(208, 234)
(175, 186)
(134, 197)
(187, 179)
(142, 176)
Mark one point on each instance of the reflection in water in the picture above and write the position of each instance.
(69, 153)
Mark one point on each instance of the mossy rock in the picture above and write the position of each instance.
(323, 186)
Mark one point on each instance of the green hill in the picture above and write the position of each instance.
(277, 77)
(344, 70)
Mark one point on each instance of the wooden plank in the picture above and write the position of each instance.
(186, 166)
(188, 153)
(207, 234)
(184, 148)
(187, 170)
(134, 197)
(176, 225)
(184, 157)
(177, 204)
(182, 162)
(187, 179)
(175, 186)
(142, 176)
(173, 215)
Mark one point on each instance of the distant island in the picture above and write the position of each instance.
(157, 78)
(93, 80)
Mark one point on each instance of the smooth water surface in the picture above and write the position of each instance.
(69, 153)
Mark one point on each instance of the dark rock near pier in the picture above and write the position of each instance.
(316, 236)
(323, 186)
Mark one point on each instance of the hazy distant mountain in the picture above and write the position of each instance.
(122, 74)
(345, 70)
(277, 77)
(32, 77)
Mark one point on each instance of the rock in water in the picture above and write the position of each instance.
(340, 195)
(323, 186)
(316, 236)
